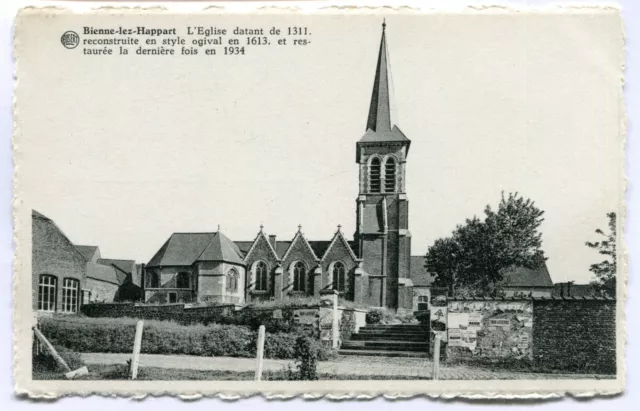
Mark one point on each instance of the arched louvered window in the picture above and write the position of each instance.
(183, 280)
(374, 175)
(232, 280)
(299, 277)
(390, 175)
(339, 276)
(261, 276)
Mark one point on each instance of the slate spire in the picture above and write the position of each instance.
(380, 111)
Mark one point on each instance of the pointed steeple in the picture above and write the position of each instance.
(380, 111)
(380, 124)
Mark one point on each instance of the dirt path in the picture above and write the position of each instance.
(347, 365)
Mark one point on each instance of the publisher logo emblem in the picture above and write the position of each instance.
(70, 39)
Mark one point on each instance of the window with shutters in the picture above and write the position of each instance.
(390, 175)
(375, 176)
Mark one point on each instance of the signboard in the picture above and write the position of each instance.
(305, 316)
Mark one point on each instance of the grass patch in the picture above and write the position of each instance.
(121, 372)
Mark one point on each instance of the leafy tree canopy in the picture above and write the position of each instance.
(477, 252)
(605, 270)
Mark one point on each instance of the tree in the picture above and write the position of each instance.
(605, 271)
(474, 257)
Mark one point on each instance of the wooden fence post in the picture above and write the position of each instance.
(135, 359)
(52, 350)
(436, 357)
(260, 353)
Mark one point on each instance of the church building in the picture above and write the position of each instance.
(373, 269)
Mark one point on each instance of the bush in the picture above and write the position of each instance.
(306, 355)
(373, 317)
(163, 337)
(385, 316)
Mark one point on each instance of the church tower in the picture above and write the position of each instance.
(382, 226)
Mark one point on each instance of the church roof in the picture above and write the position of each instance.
(526, 277)
(184, 249)
(104, 273)
(420, 277)
(124, 268)
(380, 127)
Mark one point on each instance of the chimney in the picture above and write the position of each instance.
(272, 240)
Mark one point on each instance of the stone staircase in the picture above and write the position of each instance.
(402, 340)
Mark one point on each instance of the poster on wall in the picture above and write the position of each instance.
(439, 322)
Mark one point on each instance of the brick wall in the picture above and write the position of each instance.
(53, 254)
(575, 335)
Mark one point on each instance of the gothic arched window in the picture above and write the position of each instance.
(299, 277)
(374, 175)
(183, 280)
(390, 175)
(154, 280)
(261, 276)
(339, 276)
(232, 280)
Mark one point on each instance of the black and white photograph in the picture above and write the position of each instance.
(319, 202)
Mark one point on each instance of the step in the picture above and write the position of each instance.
(393, 332)
(398, 325)
(383, 353)
(390, 336)
(397, 329)
(386, 345)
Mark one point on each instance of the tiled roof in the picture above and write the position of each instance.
(419, 275)
(282, 247)
(573, 290)
(244, 246)
(526, 277)
(221, 248)
(105, 273)
(395, 134)
(183, 249)
(87, 250)
(319, 247)
(124, 268)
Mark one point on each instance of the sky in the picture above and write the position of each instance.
(123, 151)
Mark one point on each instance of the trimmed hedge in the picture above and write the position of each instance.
(82, 334)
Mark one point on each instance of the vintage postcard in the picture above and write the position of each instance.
(319, 201)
